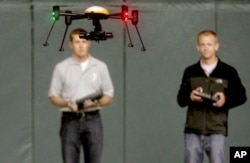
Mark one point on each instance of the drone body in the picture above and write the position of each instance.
(96, 13)
(97, 10)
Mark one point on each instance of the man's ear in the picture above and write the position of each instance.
(197, 47)
(70, 44)
(217, 46)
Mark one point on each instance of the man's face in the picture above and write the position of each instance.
(207, 45)
(79, 46)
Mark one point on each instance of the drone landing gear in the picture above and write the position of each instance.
(130, 44)
(143, 47)
(134, 20)
(65, 32)
(46, 42)
(68, 22)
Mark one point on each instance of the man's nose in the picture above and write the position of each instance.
(81, 45)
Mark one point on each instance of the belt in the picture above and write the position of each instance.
(79, 115)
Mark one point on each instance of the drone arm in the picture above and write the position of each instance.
(77, 16)
(115, 15)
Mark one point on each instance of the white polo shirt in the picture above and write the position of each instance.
(70, 82)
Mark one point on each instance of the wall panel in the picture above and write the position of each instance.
(15, 85)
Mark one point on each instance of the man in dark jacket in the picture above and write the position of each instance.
(209, 88)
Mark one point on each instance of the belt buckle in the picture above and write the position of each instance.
(81, 114)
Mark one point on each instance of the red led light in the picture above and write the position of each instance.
(125, 13)
(126, 16)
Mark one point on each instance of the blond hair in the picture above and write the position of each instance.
(76, 31)
(207, 33)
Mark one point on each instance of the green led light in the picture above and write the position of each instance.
(55, 13)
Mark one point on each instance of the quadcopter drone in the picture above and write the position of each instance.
(96, 13)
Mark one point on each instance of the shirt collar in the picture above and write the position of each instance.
(91, 61)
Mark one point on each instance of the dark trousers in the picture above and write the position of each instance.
(81, 131)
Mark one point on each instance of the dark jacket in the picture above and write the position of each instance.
(203, 117)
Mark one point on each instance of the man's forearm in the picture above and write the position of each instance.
(58, 101)
(105, 100)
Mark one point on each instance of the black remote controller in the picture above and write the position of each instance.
(208, 96)
(80, 102)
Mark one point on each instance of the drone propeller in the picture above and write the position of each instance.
(119, 5)
(140, 8)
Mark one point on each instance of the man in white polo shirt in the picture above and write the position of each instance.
(72, 79)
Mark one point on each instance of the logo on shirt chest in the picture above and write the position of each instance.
(219, 81)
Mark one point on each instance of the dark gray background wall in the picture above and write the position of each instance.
(144, 124)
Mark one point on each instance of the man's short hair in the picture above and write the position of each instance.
(206, 33)
(76, 31)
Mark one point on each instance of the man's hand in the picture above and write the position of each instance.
(221, 101)
(90, 103)
(194, 95)
(73, 106)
